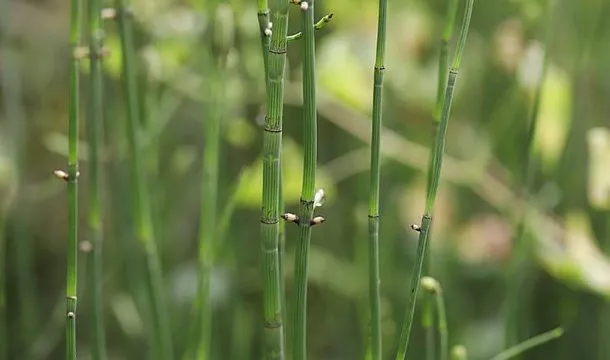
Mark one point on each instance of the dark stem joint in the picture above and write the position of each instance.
(277, 51)
(273, 324)
(380, 68)
(374, 216)
(269, 221)
(272, 129)
(306, 202)
(453, 72)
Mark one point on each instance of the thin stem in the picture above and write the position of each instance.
(438, 151)
(4, 341)
(375, 174)
(306, 207)
(161, 333)
(208, 224)
(73, 119)
(517, 274)
(528, 344)
(434, 289)
(272, 144)
(265, 29)
(443, 68)
(94, 127)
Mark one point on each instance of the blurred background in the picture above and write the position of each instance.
(568, 277)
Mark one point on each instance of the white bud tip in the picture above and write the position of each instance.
(267, 32)
(270, 25)
(304, 5)
(61, 174)
(319, 198)
(430, 284)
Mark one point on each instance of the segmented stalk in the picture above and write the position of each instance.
(72, 180)
(273, 347)
(375, 174)
(161, 341)
(306, 206)
(438, 152)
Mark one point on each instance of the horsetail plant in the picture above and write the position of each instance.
(208, 226)
(94, 130)
(433, 287)
(438, 152)
(443, 67)
(375, 174)
(161, 337)
(71, 177)
(517, 275)
(308, 199)
(273, 347)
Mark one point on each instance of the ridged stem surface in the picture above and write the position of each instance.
(161, 341)
(438, 152)
(273, 347)
(375, 175)
(306, 206)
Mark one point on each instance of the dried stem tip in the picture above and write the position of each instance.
(317, 220)
(290, 217)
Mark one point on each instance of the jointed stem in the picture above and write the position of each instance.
(375, 174)
(73, 119)
(306, 207)
(161, 340)
(438, 151)
(272, 143)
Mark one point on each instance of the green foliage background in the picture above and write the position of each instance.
(476, 212)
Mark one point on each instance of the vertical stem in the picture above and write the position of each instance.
(306, 207)
(94, 127)
(438, 152)
(517, 273)
(73, 119)
(161, 339)
(443, 68)
(4, 341)
(375, 174)
(273, 347)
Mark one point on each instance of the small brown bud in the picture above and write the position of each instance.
(317, 220)
(416, 227)
(290, 217)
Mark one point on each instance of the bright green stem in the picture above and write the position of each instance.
(517, 275)
(438, 152)
(434, 289)
(73, 118)
(272, 144)
(208, 218)
(375, 174)
(443, 68)
(310, 148)
(161, 341)
(528, 344)
(94, 129)
(263, 25)
(427, 325)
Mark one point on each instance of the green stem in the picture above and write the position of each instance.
(528, 344)
(73, 119)
(4, 340)
(438, 152)
(317, 26)
(517, 269)
(306, 207)
(443, 68)
(263, 25)
(94, 127)
(375, 174)
(434, 289)
(272, 144)
(161, 333)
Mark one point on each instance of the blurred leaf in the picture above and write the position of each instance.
(249, 191)
(570, 254)
(598, 188)
(554, 118)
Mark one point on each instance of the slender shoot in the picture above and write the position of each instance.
(438, 152)
(307, 201)
(375, 175)
(433, 287)
(72, 179)
(529, 344)
(161, 341)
